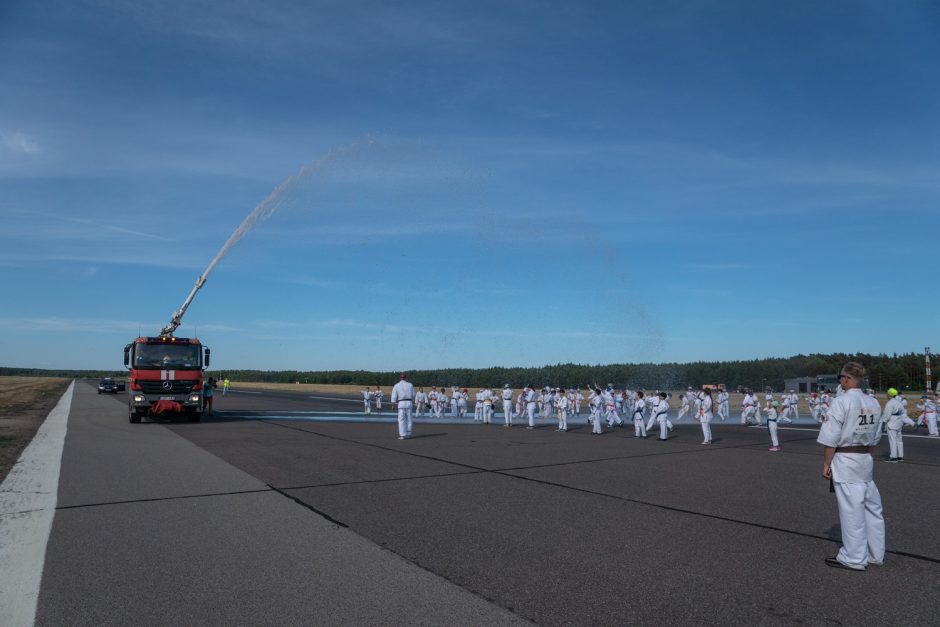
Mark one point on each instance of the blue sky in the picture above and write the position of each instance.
(493, 183)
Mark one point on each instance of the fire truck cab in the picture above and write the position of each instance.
(165, 376)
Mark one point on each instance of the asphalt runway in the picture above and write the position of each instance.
(278, 509)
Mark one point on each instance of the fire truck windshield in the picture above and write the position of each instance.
(166, 356)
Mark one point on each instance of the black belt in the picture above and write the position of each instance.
(403, 399)
(853, 449)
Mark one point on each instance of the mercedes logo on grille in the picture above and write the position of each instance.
(167, 385)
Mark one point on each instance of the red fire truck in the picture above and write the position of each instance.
(165, 376)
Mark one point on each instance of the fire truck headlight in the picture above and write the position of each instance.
(138, 398)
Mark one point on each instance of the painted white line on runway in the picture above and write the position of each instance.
(242, 392)
(28, 499)
(336, 398)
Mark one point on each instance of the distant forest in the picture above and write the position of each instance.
(900, 371)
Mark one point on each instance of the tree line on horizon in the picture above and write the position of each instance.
(900, 371)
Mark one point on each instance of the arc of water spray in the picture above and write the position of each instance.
(262, 211)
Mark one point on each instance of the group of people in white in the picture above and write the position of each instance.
(646, 411)
(851, 422)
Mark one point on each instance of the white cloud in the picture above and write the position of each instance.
(19, 143)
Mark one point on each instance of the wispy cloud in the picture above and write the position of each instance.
(93, 325)
(19, 143)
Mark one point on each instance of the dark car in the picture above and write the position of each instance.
(108, 386)
(121, 386)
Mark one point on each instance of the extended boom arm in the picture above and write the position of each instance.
(178, 316)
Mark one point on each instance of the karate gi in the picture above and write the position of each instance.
(639, 422)
(928, 416)
(421, 400)
(610, 406)
(597, 403)
(378, 396)
(748, 407)
(403, 393)
(367, 400)
(895, 417)
(561, 411)
(705, 417)
(854, 419)
(434, 399)
(487, 406)
(661, 415)
(530, 406)
(772, 427)
(722, 405)
(507, 406)
(684, 408)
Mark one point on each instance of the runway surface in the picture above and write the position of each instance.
(272, 512)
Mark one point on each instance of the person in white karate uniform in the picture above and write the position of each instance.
(928, 414)
(421, 402)
(748, 408)
(561, 409)
(722, 405)
(705, 415)
(378, 395)
(507, 405)
(610, 409)
(795, 405)
(434, 399)
(403, 394)
(639, 420)
(487, 406)
(367, 400)
(684, 404)
(661, 414)
(454, 400)
(771, 411)
(530, 405)
(597, 410)
(851, 428)
(462, 403)
(786, 410)
(895, 417)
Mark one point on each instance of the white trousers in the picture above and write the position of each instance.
(772, 427)
(562, 419)
(707, 430)
(613, 418)
(507, 412)
(747, 414)
(863, 523)
(597, 423)
(404, 421)
(530, 411)
(487, 413)
(368, 408)
(683, 410)
(663, 427)
(639, 428)
(722, 411)
(896, 442)
(932, 423)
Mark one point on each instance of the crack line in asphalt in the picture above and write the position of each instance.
(163, 498)
(506, 473)
(310, 507)
(388, 480)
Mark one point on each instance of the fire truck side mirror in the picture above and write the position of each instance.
(127, 355)
(207, 357)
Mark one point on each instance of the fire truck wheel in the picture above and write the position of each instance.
(194, 416)
(135, 417)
